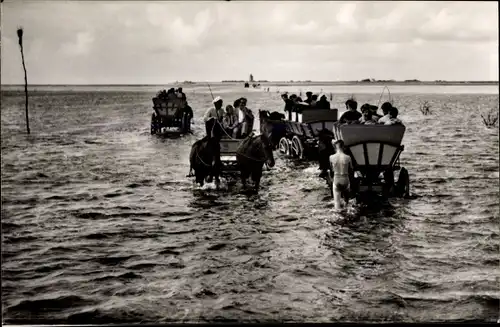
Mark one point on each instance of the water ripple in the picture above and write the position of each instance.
(100, 224)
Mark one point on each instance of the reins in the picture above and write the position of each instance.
(203, 162)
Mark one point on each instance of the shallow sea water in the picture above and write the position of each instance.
(100, 223)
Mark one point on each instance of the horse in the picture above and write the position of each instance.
(325, 150)
(205, 155)
(272, 125)
(251, 155)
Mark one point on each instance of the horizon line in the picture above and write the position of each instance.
(263, 81)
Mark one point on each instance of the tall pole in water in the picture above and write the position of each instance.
(20, 36)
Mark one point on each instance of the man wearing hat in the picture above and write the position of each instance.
(213, 115)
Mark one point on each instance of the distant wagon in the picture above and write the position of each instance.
(375, 152)
(170, 115)
(297, 135)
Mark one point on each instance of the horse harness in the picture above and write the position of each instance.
(258, 147)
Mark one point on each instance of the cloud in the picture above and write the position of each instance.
(80, 46)
(128, 42)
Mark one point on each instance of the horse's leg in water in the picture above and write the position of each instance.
(256, 176)
(217, 179)
(200, 177)
(244, 176)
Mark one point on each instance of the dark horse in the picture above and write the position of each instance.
(251, 155)
(273, 125)
(205, 155)
(325, 150)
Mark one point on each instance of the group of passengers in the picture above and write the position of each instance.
(311, 101)
(369, 115)
(173, 94)
(237, 120)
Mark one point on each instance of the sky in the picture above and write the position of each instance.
(146, 42)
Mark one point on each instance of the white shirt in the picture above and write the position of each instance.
(212, 113)
(368, 122)
(384, 119)
(393, 121)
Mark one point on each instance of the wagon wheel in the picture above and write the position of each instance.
(153, 124)
(403, 184)
(284, 147)
(297, 147)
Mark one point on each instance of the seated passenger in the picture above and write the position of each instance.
(291, 106)
(367, 117)
(375, 115)
(367, 111)
(393, 120)
(323, 103)
(247, 118)
(386, 106)
(309, 95)
(171, 94)
(162, 94)
(314, 100)
(288, 102)
(352, 115)
(181, 94)
(230, 121)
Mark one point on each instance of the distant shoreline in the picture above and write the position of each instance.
(382, 83)
(282, 83)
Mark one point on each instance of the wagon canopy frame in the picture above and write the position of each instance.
(364, 159)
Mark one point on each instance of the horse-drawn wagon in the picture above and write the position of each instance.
(375, 152)
(171, 115)
(297, 134)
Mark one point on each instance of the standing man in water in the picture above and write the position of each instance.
(341, 166)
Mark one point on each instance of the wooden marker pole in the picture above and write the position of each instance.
(20, 36)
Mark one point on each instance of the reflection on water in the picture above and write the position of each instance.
(101, 224)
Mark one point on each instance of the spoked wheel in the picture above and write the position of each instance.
(297, 147)
(154, 124)
(402, 186)
(283, 146)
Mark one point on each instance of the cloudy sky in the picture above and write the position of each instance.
(141, 42)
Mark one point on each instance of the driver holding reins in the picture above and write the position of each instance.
(213, 116)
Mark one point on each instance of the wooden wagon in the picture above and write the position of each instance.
(169, 116)
(300, 130)
(375, 152)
